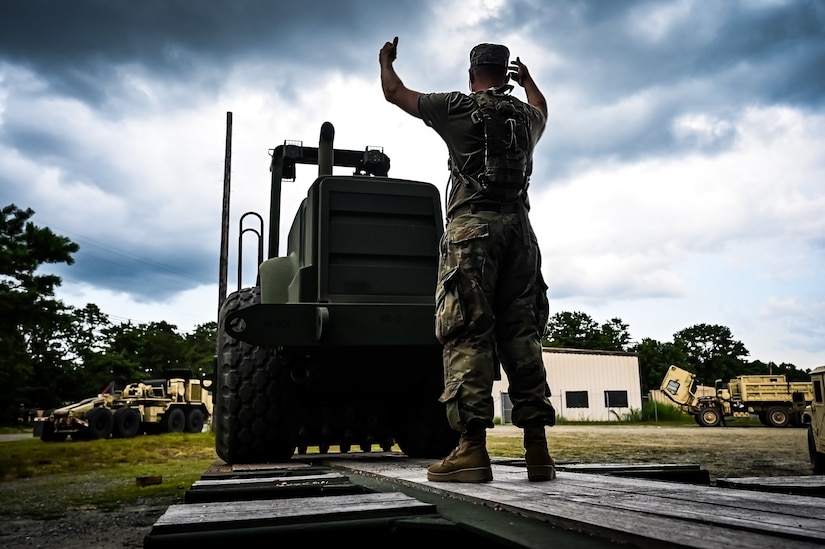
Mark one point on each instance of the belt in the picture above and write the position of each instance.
(500, 207)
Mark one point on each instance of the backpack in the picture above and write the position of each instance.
(507, 145)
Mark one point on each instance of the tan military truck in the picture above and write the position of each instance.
(175, 403)
(774, 400)
(816, 425)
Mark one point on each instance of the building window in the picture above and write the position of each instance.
(615, 399)
(577, 399)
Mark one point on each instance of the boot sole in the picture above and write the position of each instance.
(475, 474)
(540, 473)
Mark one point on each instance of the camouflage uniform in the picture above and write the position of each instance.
(491, 297)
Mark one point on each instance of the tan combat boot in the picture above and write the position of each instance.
(540, 466)
(467, 463)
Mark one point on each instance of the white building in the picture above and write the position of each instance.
(585, 385)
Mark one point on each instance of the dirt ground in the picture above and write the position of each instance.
(724, 452)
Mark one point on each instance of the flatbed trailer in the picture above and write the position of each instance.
(384, 496)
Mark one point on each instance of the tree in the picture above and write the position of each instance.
(791, 372)
(200, 349)
(614, 335)
(29, 316)
(578, 330)
(572, 330)
(654, 359)
(144, 351)
(712, 352)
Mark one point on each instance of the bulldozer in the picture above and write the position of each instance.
(335, 347)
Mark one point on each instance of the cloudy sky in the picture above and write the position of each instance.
(681, 179)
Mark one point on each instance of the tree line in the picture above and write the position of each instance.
(708, 350)
(52, 353)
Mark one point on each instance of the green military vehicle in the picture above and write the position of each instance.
(816, 425)
(335, 346)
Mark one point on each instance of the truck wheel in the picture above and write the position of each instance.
(817, 458)
(126, 424)
(194, 420)
(101, 423)
(709, 417)
(175, 421)
(778, 416)
(254, 401)
(420, 425)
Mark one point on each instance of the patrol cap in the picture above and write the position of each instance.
(489, 54)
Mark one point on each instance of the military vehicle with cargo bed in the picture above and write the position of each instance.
(175, 403)
(816, 424)
(335, 345)
(776, 401)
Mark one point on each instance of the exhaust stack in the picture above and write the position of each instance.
(325, 150)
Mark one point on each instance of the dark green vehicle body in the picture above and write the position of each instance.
(335, 347)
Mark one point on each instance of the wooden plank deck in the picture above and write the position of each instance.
(638, 512)
(213, 516)
(385, 496)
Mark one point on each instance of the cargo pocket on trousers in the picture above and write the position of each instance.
(449, 314)
(542, 304)
(449, 397)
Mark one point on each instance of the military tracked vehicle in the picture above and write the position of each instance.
(335, 346)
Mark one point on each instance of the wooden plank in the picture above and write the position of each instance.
(199, 517)
(725, 512)
(324, 478)
(808, 485)
(634, 509)
(792, 505)
(265, 472)
(236, 489)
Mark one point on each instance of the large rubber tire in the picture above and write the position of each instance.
(126, 423)
(817, 458)
(194, 420)
(420, 425)
(253, 408)
(174, 421)
(778, 416)
(709, 417)
(101, 423)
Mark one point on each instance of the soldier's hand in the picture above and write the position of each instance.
(389, 52)
(518, 72)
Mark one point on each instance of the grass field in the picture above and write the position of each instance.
(43, 479)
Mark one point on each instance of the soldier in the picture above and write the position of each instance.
(491, 298)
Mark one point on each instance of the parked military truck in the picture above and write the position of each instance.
(816, 425)
(175, 403)
(774, 400)
(335, 346)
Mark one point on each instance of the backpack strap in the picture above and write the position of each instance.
(507, 144)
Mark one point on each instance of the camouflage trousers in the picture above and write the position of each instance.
(491, 309)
